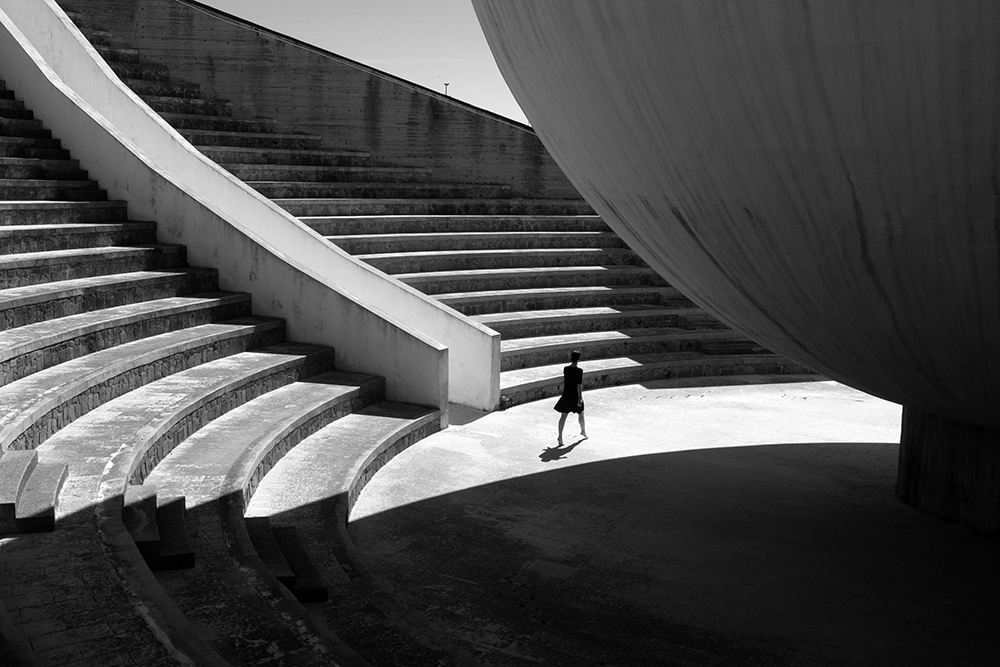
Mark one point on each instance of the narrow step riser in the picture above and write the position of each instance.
(51, 193)
(253, 172)
(61, 214)
(581, 325)
(515, 304)
(542, 357)
(407, 264)
(28, 151)
(312, 365)
(70, 171)
(561, 279)
(188, 105)
(81, 301)
(48, 239)
(12, 110)
(18, 127)
(37, 360)
(455, 242)
(417, 207)
(273, 157)
(77, 406)
(144, 70)
(339, 226)
(92, 265)
(376, 191)
(220, 123)
(635, 375)
(250, 142)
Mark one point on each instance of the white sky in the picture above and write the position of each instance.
(430, 42)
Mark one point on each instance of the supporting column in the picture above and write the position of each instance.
(950, 470)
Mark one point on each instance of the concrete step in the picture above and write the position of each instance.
(500, 301)
(529, 324)
(15, 468)
(23, 127)
(145, 70)
(327, 174)
(219, 123)
(406, 206)
(32, 268)
(61, 212)
(139, 517)
(532, 384)
(15, 109)
(34, 347)
(378, 190)
(21, 306)
(552, 350)
(413, 262)
(171, 104)
(37, 168)
(250, 140)
(361, 244)
(295, 492)
(33, 189)
(170, 88)
(118, 54)
(40, 404)
(176, 551)
(443, 282)
(45, 238)
(229, 155)
(36, 507)
(308, 585)
(26, 147)
(259, 532)
(446, 224)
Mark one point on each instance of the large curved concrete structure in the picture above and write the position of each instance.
(823, 175)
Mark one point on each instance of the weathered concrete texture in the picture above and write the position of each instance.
(723, 525)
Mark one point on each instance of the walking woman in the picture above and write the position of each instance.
(572, 395)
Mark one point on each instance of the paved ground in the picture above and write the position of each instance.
(728, 525)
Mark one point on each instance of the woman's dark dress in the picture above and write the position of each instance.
(572, 376)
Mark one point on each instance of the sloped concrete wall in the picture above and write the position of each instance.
(269, 75)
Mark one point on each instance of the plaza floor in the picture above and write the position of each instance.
(736, 524)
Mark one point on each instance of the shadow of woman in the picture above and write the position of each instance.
(558, 452)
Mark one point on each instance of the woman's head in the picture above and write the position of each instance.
(574, 356)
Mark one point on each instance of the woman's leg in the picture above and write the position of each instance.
(583, 426)
(562, 422)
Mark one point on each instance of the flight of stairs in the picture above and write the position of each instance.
(140, 408)
(548, 275)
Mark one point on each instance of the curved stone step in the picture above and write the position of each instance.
(518, 353)
(217, 470)
(412, 262)
(35, 303)
(535, 323)
(16, 239)
(326, 173)
(349, 452)
(228, 155)
(404, 206)
(553, 298)
(532, 384)
(61, 212)
(444, 224)
(40, 404)
(361, 244)
(23, 269)
(376, 190)
(444, 282)
(31, 348)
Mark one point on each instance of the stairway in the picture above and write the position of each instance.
(114, 353)
(548, 275)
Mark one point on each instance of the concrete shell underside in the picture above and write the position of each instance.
(821, 175)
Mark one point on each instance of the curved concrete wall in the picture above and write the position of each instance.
(257, 248)
(269, 75)
(823, 175)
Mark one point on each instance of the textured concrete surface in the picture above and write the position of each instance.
(723, 525)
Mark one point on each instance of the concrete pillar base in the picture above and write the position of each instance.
(950, 470)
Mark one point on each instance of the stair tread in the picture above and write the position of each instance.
(327, 152)
(318, 168)
(47, 183)
(193, 132)
(585, 338)
(19, 340)
(76, 228)
(202, 466)
(56, 204)
(15, 467)
(61, 289)
(428, 276)
(594, 312)
(445, 236)
(488, 295)
(29, 398)
(501, 251)
(53, 256)
(40, 496)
